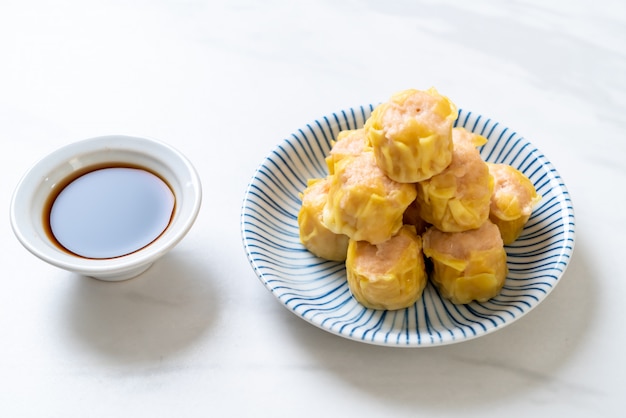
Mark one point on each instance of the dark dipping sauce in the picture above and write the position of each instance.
(108, 211)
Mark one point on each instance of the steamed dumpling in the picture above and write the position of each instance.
(314, 235)
(458, 198)
(348, 143)
(512, 202)
(469, 265)
(363, 203)
(411, 134)
(390, 275)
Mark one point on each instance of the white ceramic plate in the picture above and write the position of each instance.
(317, 291)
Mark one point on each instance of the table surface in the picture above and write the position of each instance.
(224, 82)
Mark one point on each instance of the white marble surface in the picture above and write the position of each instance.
(224, 81)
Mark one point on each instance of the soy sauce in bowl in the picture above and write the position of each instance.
(106, 207)
(109, 212)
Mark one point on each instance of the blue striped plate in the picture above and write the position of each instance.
(317, 291)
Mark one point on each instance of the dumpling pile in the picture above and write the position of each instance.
(409, 190)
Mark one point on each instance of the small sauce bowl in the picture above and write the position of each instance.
(31, 201)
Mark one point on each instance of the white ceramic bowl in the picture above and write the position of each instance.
(35, 187)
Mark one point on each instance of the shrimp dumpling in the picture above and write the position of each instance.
(390, 275)
(348, 143)
(469, 265)
(411, 134)
(314, 235)
(363, 203)
(512, 202)
(458, 198)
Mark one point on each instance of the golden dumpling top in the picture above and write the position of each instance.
(348, 143)
(411, 134)
(390, 275)
(467, 166)
(315, 193)
(362, 170)
(380, 259)
(514, 194)
(460, 245)
(433, 113)
(512, 202)
(363, 203)
(458, 198)
(469, 265)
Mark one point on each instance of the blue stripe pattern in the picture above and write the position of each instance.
(316, 289)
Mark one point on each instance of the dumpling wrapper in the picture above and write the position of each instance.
(314, 235)
(458, 198)
(512, 202)
(348, 143)
(363, 203)
(390, 275)
(469, 265)
(411, 134)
